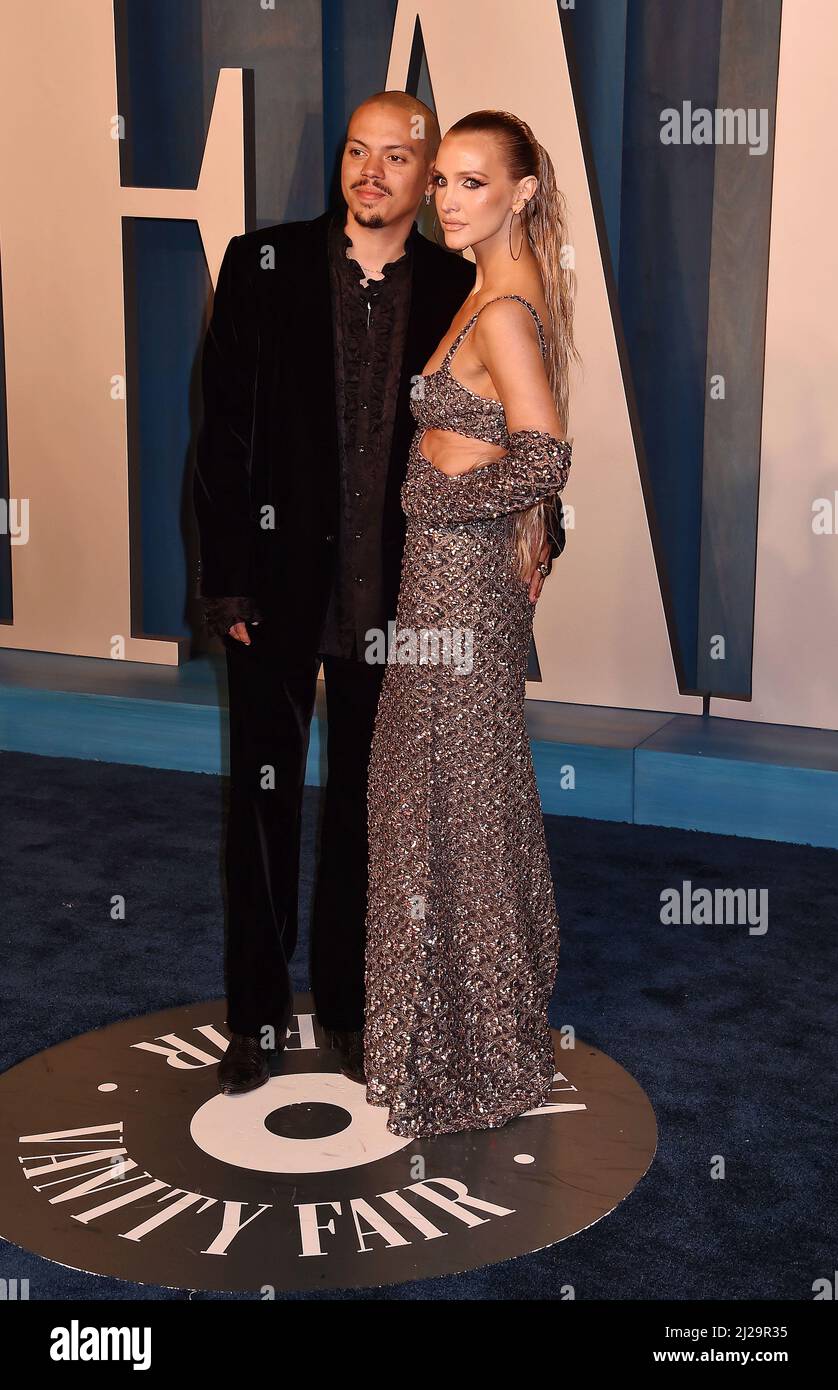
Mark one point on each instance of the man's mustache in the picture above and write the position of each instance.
(379, 188)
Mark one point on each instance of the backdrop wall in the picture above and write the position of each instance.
(135, 139)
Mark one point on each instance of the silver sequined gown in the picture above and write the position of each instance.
(462, 930)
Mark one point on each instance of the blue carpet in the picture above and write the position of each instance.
(732, 1035)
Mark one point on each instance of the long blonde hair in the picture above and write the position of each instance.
(545, 225)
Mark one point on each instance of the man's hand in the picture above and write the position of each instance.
(537, 578)
(228, 617)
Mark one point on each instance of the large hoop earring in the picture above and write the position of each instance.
(521, 247)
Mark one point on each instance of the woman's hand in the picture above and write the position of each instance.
(537, 578)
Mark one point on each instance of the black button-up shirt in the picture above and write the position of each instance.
(370, 324)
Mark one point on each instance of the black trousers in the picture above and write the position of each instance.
(272, 696)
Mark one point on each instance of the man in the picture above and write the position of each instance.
(317, 331)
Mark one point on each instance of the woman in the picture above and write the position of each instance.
(462, 931)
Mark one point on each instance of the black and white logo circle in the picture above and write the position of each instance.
(119, 1156)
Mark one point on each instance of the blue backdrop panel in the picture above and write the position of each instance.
(672, 54)
(598, 30)
(170, 283)
(357, 35)
(168, 62)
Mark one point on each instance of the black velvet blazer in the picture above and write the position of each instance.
(266, 484)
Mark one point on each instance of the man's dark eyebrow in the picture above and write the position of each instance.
(350, 140)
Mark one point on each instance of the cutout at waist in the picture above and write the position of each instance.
(499, 449)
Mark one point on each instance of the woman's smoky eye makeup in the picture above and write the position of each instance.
(469, 179)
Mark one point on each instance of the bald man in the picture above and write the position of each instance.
(317, 331)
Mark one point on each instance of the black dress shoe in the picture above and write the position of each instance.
(349, 1045)
(244, 1066)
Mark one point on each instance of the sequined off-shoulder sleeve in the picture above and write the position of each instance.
(535, 466)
